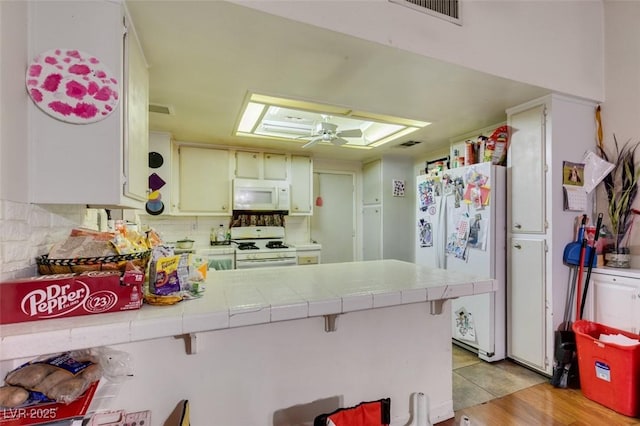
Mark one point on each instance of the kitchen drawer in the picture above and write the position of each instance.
(308, 260)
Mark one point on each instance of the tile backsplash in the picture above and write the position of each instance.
(29, 230)
(198, 228)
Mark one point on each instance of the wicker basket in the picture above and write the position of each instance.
(116, 262)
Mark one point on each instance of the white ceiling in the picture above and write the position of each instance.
(205, 56)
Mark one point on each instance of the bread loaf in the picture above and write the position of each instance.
(12, 396)
(60, 375)
(68, 390)
(29, 375)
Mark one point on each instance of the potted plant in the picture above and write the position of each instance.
(621, 186)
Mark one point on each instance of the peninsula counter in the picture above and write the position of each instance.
(271, 346)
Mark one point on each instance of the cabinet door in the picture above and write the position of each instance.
(205, 186)
(526, 311)
(527, 170)
(102, 163)
(615, 301)
(301, 181)
(275, 166)
(248, 164)
(372, 183)
(136, 113)
(372, 233)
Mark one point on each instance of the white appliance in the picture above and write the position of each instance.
(260, 195)
(262, 246)
(461, 226)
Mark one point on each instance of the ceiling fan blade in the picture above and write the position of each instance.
(339, 141)
(352, 133)
(312, 142)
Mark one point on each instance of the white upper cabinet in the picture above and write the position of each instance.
(301, 186)
(204, 181)
(372, 183)
(259, 165)
(275, 166)
(136, 112)
(528, 165)
(248, 165)
(103, 162)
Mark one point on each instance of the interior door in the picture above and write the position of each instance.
(333, 220)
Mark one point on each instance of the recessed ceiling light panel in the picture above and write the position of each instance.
(310, 123)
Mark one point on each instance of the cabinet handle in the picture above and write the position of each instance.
(517, 226)
(518, 246)
(224, 208)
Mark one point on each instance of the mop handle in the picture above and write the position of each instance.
(583, 249)
(592, 255)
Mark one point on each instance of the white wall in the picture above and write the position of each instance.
(26, 230)
(556, 44)
(398, 213)
(13, 101)
(621, 109)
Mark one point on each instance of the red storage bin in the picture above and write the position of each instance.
(609, 373)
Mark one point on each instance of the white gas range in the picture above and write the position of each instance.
(262, 246)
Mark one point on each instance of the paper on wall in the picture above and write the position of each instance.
(595, 170)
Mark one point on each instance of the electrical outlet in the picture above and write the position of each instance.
(141, 418)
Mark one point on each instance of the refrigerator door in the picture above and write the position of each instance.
(468, 224)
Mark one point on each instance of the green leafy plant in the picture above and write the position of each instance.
(621, 186)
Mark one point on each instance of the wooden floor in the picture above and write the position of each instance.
(540, 405)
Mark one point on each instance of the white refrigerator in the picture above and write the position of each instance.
(461, 225)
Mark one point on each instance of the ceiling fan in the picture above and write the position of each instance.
(327, 132)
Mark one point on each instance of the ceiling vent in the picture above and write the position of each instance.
(161, 109)
(409, 143)
(449, 10)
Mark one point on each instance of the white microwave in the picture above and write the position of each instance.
(260, 195)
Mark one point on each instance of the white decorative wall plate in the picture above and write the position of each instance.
(72, 86)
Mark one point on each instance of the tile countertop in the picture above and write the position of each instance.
(236, 298)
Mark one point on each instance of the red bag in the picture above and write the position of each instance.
(374, 413)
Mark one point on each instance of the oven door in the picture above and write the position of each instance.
(264, 263)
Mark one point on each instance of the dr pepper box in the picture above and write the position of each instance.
(68, 295)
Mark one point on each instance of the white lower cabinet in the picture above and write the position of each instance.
(308, 257)
(613, 299)
(371, 236)
(526, 310)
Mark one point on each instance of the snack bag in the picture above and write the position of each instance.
(498, 143)
(169, 274)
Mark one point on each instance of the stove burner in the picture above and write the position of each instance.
(275, 244)
(247, 246)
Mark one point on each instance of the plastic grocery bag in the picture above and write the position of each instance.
(373, 413)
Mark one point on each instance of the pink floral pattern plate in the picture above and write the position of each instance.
(72, 86)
